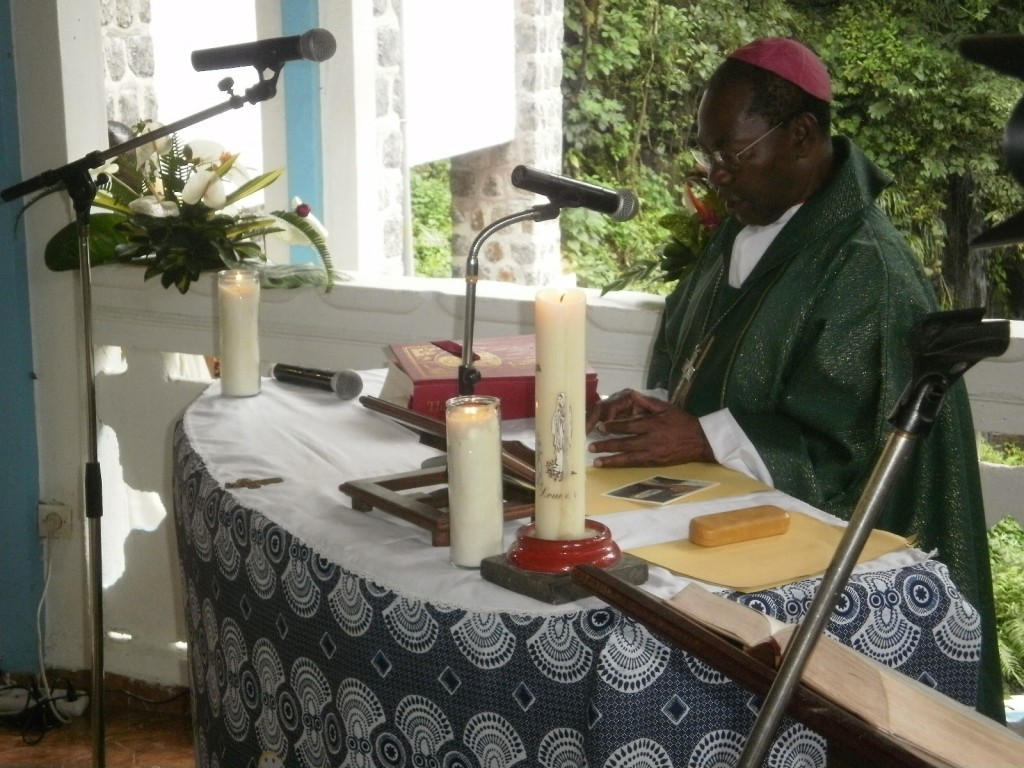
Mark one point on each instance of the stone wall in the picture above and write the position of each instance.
(128, 60)
(390, 138)
(482, 192)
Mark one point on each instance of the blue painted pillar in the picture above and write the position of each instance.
(21, 567)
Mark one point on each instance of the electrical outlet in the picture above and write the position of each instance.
(54, 521)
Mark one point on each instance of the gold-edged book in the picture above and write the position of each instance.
(927, 722)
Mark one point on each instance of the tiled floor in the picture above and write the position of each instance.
(141, 739)
(135, 738)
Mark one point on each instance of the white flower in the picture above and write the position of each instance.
(307, 213)
(203, 152)
(109, 168)
(206, 185)
(291, 234)
(158, 146)
(153, 206)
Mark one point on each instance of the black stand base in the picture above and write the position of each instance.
(555, 588)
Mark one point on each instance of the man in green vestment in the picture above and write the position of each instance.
(785, 350)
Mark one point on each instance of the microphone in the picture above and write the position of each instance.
(313, 45)
(345, 384)
(620, 204)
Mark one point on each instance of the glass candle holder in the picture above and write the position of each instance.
(238, 298)
(475, 506)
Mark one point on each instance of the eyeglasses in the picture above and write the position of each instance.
(730, 161)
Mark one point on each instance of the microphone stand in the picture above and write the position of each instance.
(468, 374)
(944, 345)
(76, 179)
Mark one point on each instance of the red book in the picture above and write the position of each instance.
(422, 376)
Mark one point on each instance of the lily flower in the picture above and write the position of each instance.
(109, 168)
(291, 234)
(303, 210)
(207, 186)
(204, 152)
(153, 148)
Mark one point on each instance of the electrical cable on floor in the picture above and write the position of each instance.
(38, 712)
(39, 639)
(145, 700)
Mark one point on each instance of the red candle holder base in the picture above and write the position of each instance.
(541, 568)
(529, 553)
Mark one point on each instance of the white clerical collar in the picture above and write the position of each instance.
(750, 245)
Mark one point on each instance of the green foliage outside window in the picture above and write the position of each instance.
(1006, 542)
(431, 201)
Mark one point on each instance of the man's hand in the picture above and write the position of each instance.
(648, 432)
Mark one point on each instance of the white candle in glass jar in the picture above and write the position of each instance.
(561, 320)
(238, 295)
(475, 508)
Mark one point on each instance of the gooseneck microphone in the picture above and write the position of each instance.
(620, 204)
(313, 45)
(345, 384)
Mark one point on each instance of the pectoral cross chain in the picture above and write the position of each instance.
(689, 371)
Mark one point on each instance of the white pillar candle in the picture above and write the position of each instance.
(238, 294)
(561, 320)
(475, 508)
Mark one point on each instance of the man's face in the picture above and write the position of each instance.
(758, 187)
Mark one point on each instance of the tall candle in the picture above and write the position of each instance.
(475, 508)
(560, 500)
(238, 294)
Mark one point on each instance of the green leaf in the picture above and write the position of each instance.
(61, 252)
(254, 185)
(315, 239)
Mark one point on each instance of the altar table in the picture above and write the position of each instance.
(323, 636)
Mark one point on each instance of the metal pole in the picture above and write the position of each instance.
(469, 375)
(894, 457)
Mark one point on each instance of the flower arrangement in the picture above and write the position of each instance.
(170, 210)
(689, 232)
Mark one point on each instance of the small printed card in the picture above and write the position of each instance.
(660, 489)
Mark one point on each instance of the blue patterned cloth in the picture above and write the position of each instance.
(296, 661)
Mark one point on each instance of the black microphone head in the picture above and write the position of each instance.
(629, 206)
(346, 384)
(317, 45)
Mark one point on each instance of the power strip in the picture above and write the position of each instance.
(13, 702)
(74, 708)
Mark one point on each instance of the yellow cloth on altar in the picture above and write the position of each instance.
(728, 482)
(805, 550)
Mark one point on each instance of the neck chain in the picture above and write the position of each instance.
(706, 338)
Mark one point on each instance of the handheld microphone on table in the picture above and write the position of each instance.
(345, 384)
(620, 204)
(312, 45)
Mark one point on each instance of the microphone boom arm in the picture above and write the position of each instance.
(468, 374)
(69, 174)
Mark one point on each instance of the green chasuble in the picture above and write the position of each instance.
(810, 356)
